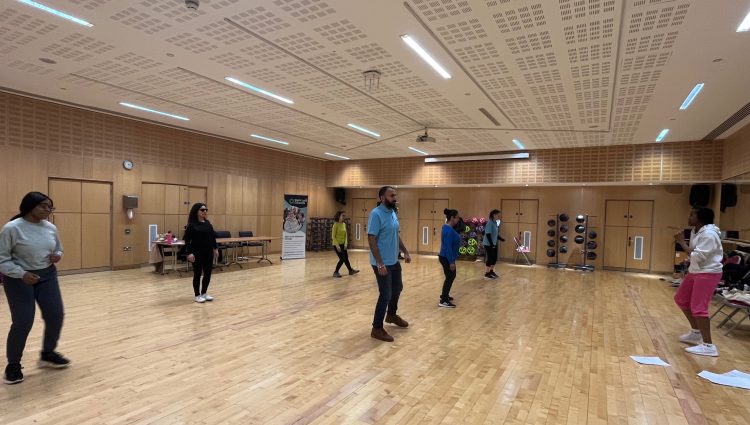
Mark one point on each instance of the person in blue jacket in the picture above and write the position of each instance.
(449, 243)
(491, 236)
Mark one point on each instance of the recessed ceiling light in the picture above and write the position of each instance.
(662, 135)
(258, 90)
(170, 55)
(745, 25)
(56, 12)
(718, 60)
(48, 60)
(141, 108)
(418, 151)
(689, 99)
(364, 130)
(269, 139)
(518, 144)
(425, 56)
(337, 156)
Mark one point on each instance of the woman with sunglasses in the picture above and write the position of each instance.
(201, 247)
(29, 249)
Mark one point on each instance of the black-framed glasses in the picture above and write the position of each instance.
(47, 207)
(203, 209)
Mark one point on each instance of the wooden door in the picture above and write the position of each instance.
(640, 213)
(66, 194)
(510, 210)
(69, 231)
(527, 211)
(617, 213)
(438, 206)
(528, 237)
(96, 229)
(154, 199)
(425, 237)
(508, 248)
(615, 246)
(358, 207)
(426, 209)
(437, 234)
(171, 200)
(638, 249)
(358, 238)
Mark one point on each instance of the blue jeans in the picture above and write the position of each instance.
(390, 287)
(22, 299)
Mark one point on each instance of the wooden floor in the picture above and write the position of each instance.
(287, 344)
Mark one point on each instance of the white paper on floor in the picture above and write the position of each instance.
(650, 360)
(734, 378)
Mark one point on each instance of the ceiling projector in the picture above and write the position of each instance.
(425, 138)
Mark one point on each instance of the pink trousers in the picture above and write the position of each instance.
(695, 292)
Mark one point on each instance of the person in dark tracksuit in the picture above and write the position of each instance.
(491, 236)
(29, 249)
(449, 244)
(201, 247)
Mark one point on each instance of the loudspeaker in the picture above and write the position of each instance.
(340, 194)
(728, 195)
(700, 195)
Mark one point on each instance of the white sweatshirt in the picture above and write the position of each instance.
(706, 251)
(26, 246)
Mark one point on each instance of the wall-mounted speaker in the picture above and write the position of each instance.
(700, 195)
(728, 196)
(340, 195)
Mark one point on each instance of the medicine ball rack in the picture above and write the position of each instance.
(588, 242)
(557, 231)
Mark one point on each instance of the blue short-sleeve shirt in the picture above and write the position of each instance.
(383, 223)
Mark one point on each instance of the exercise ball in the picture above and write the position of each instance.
(578, 239)
(551, 233)
(550, 253)
(564, 217)
(551, 223)
(563, 249)
(580, 218)
(591, 255)
(592, 235)
(564, 228)
(462, 250)
(580, 228)
(591, 245)
(471, 250)
(563, 239)
(551, 243)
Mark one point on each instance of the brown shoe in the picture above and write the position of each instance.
(381, 334)
(396, 320)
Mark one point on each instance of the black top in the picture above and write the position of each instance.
(200, 238)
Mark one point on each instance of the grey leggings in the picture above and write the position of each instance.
(22, 300)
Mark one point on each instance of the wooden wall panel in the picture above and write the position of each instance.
(66, 194)
(96, 197)
(96, 235)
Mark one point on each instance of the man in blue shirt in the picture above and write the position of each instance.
(385, 244)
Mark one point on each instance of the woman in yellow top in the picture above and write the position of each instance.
(340, 241)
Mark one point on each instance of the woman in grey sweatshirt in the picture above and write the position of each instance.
(29, 249)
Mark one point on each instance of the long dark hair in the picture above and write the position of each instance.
(338, 215)
(29, 202)
(493, 212)
(450, 213)
(193, 217)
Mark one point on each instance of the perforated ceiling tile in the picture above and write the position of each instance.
(433, 10)
(174, 10)
(138, 61)
(30, 67)
(192, 43)
(425, 94)
(340, 32)
(233, 61)
(488, 69)
(368, 52)
(592, 31)
(305, 10)
(221, 4)
(26, 23)
(91, 4)
(15, 38)
(591, 52)
(525, 17)
(223, 32)
(406, 83)
(140, 21)
(322, 82)
(530, 42)
(293, 87)
(260, 20)
(536, 61)
(462, 31)
(296, 69)
(330, 61)
(299, 43)
(182, 77)
(67, 52)
(478, 52)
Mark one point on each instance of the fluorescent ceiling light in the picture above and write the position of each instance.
(418, 151)
(518, 144)
(269, 139)
(521, 155)
(130, 105)
(662, 135)
(55, 12)
(745, 25)
(425, 56)
(337, 156)
(689, 99)
(259, 90)
(364, 130)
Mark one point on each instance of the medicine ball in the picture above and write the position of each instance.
(563, 249)
(592, 235)
(551, 223)
(580, 218)
(564, 217)
(551, 243)
(591, 245)
(591, 255)
(580, 228)
(564, 228)
(579, 239)
(550, 253)
(563, 239)
(551, 233)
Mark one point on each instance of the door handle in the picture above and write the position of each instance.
(625, 216)
(630, 241)
(631, 216)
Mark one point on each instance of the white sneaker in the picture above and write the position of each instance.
(207, 297)
(704, 350)
(691, 337)
(200, 299)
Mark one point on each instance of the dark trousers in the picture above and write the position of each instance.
(490, 255)
(203, 263)
(343, 257)
(450, 276)
(22, 300)
(390, 287)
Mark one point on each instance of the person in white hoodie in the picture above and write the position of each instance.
(704, 273)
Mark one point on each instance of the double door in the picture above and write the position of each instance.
(83, 216)
(361, 208)
(627, 235)
(168, 205)
(431, 220)
(519, 219)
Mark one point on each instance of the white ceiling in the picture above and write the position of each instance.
(554, 73)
